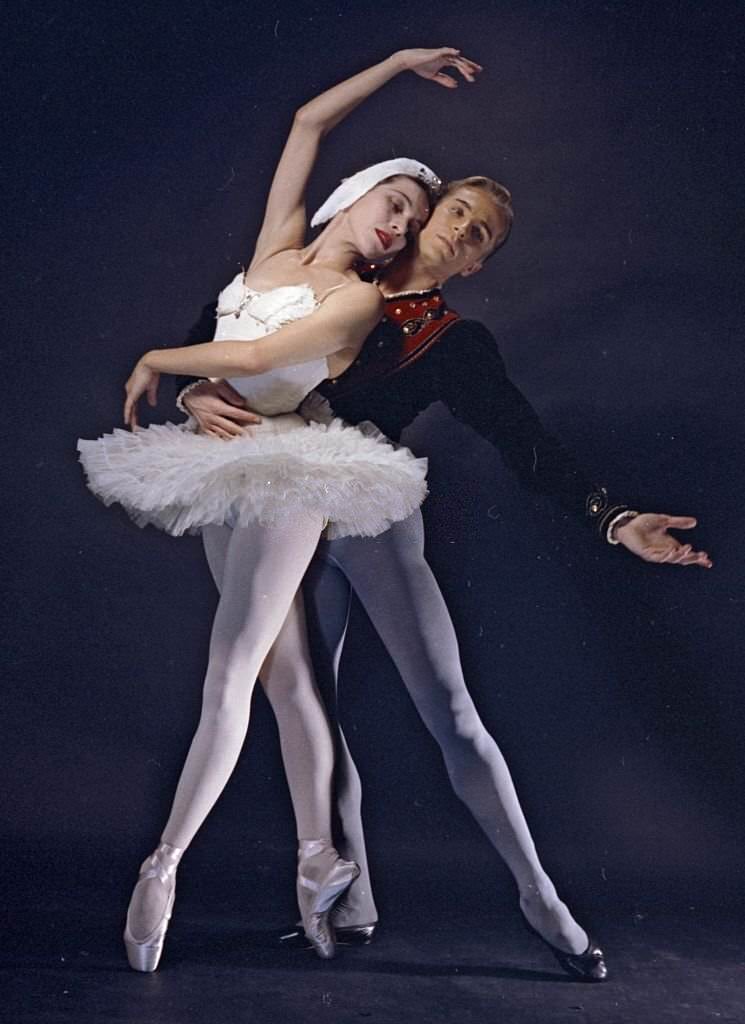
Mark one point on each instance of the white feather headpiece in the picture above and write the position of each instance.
(352, 189)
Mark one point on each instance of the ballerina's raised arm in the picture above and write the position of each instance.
(285, 221)
(336, 326)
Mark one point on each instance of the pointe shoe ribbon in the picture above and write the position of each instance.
(323, 877)
(144, 954)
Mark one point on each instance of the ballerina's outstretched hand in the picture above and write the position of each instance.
(429, 64)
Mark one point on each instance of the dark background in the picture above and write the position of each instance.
(140, 157)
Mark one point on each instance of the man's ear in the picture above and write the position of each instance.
(474, 268)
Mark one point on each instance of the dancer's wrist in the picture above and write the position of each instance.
(614, 533)
(182, 396)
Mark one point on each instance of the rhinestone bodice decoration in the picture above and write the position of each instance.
(244, 314)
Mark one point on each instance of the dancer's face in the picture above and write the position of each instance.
(464, 228)
(385, 218)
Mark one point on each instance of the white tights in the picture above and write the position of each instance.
(258, 573)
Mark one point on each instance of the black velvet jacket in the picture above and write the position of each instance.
(463, 369)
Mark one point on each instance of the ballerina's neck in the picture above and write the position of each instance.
(333, 248)
(292, 267)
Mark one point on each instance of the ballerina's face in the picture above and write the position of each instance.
(385, 218)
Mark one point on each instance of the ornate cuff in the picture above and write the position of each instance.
(184, 392)
(621, 517)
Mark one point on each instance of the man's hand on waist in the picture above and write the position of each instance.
(219, 409)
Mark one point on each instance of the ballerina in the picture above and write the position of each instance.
(296, 317)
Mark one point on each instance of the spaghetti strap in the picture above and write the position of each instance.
(335, 288)
(286, 469)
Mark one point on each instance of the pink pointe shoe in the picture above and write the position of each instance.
(144, 953)
(322, 878)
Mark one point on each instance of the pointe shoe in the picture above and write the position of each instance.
(323, 877)
(588, 966)
(144, 954)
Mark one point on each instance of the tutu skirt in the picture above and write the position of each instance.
(169, 476)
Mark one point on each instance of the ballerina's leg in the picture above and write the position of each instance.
(289, 683)
(308, 755)
(328, 599)
(305, 735)
(260, 572)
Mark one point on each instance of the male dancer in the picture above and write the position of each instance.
(420, 353)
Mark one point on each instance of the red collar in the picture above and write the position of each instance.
(421, 317)
(406, 309)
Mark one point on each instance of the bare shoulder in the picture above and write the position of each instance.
(358, 297)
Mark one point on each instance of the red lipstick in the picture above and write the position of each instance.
(386, 240)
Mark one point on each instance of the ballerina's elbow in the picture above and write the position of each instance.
(308, 118)
(250, 363)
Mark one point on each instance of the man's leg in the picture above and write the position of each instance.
(400, 595)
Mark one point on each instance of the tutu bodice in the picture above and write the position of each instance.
(245, 314)
(179, 480)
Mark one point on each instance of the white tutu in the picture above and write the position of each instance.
(180, 481)
(170, 477)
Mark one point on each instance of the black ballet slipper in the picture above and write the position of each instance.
(356, 935)
(589, 966)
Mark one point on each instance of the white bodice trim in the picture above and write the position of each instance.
(244, 314)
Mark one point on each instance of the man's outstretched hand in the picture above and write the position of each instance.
(646, 536)
(219, 409)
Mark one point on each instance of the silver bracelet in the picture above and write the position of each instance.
(628, 513)
(184, 392)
